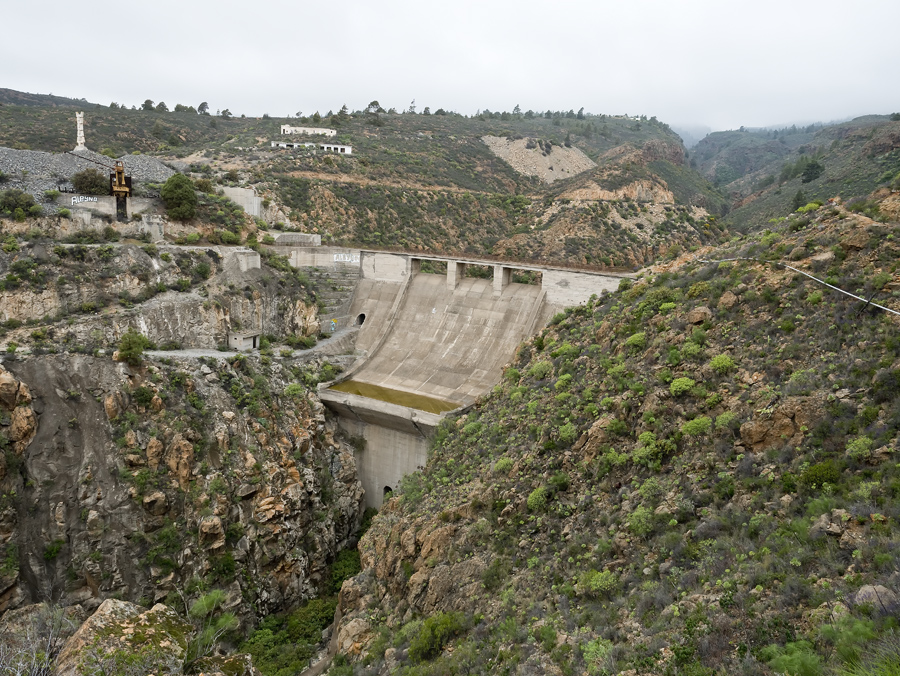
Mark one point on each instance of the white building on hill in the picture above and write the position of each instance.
(312, 131)
(327, 147)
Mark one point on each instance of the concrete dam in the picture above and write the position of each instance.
(428, 344)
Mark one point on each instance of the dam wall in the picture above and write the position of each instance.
(441, 336)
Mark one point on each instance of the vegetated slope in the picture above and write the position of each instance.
(726, 156)
(423, 182)
(11, 97)
(842, 160)
(696, 474)
(640, 204)
(345, 198)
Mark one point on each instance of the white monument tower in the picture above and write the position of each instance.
(79, 121)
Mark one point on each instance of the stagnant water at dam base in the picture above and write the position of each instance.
(386, 394)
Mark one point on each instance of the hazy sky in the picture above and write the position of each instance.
(717, 63)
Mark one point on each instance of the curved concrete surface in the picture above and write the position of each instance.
(446, 344)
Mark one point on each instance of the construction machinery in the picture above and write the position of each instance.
(119, 184)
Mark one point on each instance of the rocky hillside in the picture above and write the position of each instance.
(85, 297)
(768, 174)
(623, 214)
(534, 157)
(695, 475)
(420, 181)
(145, 483)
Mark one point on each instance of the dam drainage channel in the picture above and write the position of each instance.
(408, 399)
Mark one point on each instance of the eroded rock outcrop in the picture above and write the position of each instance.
(117, 496)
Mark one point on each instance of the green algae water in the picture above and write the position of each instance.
(409, 399)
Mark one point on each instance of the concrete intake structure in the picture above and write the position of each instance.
(441, 336)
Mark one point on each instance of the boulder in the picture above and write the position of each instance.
(212, 535)
(728, 300)
(882, 599)
(784, 425)
(9, 389)
(156, 503)
(155, 641)
(352, 636)
(154, 453)
(180, 458)
(699, 315)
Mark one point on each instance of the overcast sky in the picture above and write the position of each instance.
(714, 63)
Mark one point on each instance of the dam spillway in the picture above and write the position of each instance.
(443, 337)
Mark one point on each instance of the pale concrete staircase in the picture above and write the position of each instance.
(334, 289)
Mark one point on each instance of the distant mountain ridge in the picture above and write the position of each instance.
(12, 97)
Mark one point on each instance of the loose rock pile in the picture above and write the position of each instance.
(36, 171)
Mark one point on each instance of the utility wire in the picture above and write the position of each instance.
(806, 274)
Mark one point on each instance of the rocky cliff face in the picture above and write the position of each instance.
(191, 297)
(156, 482)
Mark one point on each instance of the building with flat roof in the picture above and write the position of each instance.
(312, 131)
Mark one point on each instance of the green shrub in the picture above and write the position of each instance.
(722, 364)
(537, 499)
(345, 566)
(52, 550)
(512, 375)
(698, 289)
(540, 370)
(636, 342)
(726, 420)
(598, 583)
(691, 350)
(817, 475)
(64, 213)
(648, 452)
(228, 237)
(179, 197)
(640, 521)
(697, 427)
(681, 386)
(795, 659)
(13, 199)
(564, 382)
(596, 653)
(131, 347)
(283, 644)
(560, 482)
(814, 298)
(495, 574)
(567, 433)
(143, 396)
(860, 448)
(91, 181)
(503, 465)
(19, 215)
(435, 633)
(295, 390)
